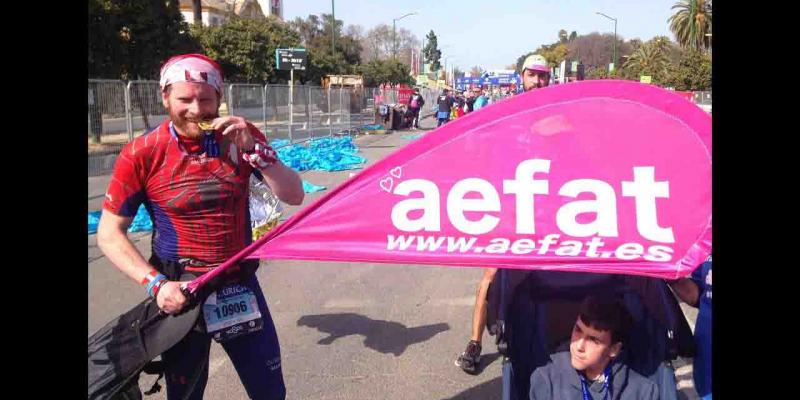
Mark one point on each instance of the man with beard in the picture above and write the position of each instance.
(535, 72)
(192, 174)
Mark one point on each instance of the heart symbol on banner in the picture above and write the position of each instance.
(395, 172)
(386, 184)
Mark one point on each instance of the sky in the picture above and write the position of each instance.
(494, 33)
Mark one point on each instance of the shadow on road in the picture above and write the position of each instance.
(382, 336)
(490, 390)
(486, 360)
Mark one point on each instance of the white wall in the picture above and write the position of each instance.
(188, 16)
(266, 7)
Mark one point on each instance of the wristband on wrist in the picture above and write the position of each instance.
(158, 285)
(155, 284)
(262, 156)
(149, 277)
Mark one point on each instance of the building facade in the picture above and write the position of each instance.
(215, 12)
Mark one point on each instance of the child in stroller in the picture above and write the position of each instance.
(531, 313)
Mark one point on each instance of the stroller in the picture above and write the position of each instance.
(531, 314)
(404, 118)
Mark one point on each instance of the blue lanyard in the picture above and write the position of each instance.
(606, 384)
(210, 145)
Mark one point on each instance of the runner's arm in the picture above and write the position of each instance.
(113, 240)
(284, 182)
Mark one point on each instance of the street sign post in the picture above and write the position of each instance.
(291, 59)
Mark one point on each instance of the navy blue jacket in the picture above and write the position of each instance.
(559, 381)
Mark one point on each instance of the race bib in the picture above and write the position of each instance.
(231, 312)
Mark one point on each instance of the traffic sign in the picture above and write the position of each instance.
(289, 59)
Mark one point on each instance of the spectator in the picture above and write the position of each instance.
(697, 293)
(591, 369)
(445, 103)
(415, 103)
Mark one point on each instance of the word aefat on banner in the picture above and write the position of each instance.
(643, 188)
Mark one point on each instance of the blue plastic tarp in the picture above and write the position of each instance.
(311, 188)
(141, 222)
(326, 154)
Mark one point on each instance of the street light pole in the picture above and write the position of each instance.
(394, 33)
(333, 28)
(614, 60)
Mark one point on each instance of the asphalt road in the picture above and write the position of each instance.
(347, 330)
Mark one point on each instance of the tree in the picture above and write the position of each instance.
(556, 55)
(315, 33)
(651, 59)
(431, 51)
(691, 23)
(316, 36)
(130, 39)
(378, 44)
(245, 48)
(475, 71)
(563, 37)
(595, 49)
(692, 72)
(308, 29)
(106, 44)
(596, 72)
(377, 72)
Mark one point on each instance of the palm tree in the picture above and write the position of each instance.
(691, 23)
(649, 59)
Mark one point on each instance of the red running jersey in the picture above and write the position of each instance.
(199, 204)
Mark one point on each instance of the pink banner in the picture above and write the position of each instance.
(596, 176)
(686, 95)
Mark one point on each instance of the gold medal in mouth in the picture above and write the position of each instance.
(204, 125)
